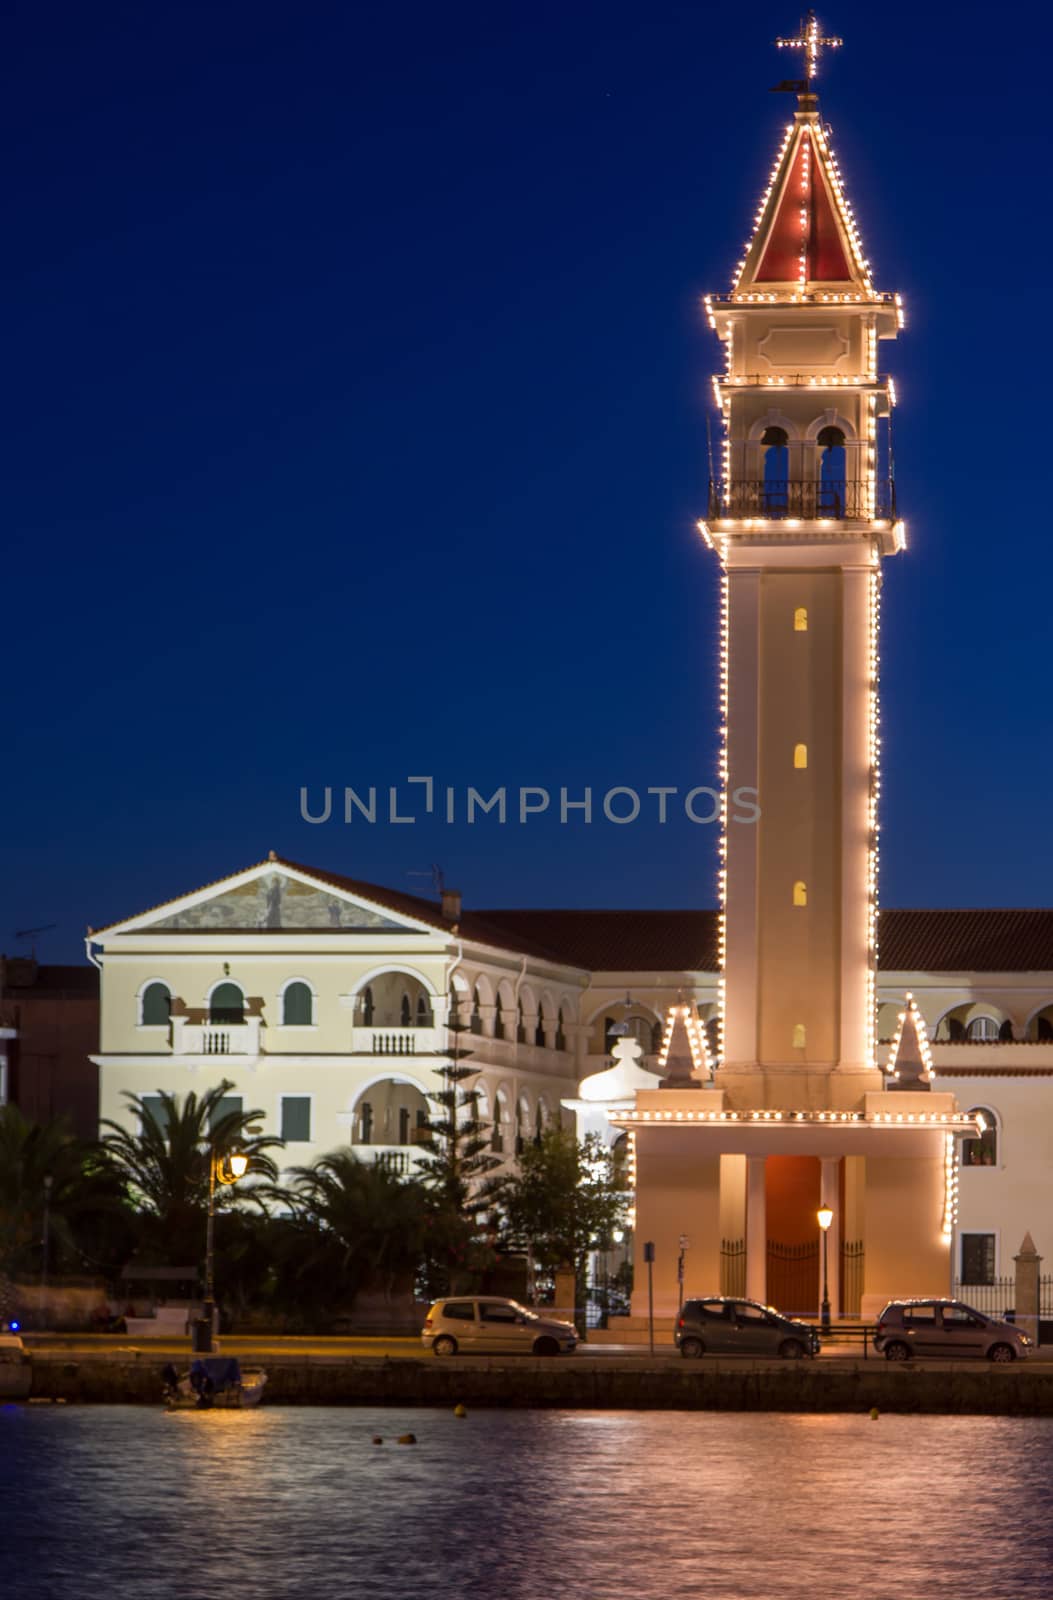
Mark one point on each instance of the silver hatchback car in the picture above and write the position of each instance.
(945, 1328)
(487, 1325)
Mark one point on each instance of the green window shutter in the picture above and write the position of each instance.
(227, 1004)
(296, 1118)
(157, 1005)
(296, 1006)
(156, 1107)
(227, 1105)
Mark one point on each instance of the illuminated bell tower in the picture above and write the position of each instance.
(802, 511)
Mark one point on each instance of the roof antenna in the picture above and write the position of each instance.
(31, 934)
(435, 873)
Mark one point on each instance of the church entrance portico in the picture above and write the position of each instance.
(718, 1176)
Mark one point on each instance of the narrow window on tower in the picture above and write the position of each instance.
(800, 893)
(776, 446)
(800, 620)
(832, 480)
(798, 1036)
(800, 756)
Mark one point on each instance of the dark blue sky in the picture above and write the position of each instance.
(357, 429)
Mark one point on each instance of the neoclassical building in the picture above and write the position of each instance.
(324, 1000)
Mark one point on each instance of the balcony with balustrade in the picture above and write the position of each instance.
(828, 479)
(216, 1038)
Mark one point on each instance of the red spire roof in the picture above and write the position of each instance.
(804, 231)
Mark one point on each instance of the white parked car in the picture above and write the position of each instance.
(487, 1325)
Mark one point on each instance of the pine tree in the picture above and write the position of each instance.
(458, 1169)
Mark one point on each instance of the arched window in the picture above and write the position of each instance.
(561, 1037)
(982, 1152)
(367, 1007)
(800, 893)
(800, 756)
(405, 1013)
(455, 1007)
(477, 1014)
(776, 447)
(365, 1123)
(423, 1012)
(539, 1027)
(831, 442)
(157, 1005)
(520, 1025)
(982, 1027)
(499, 1021)
(296, 1005)
(497, 1132)
(227, 1004)
(800, 620)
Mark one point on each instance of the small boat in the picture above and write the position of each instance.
(213, 1381)
(16, 1374)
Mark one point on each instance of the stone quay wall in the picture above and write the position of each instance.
(602, 1384)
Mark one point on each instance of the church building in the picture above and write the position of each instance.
(791, 1061)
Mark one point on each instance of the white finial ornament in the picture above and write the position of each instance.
(811, 41)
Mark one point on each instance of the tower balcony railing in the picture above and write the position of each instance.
(805, 500)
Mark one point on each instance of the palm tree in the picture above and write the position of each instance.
(164, 1167)
(361, 1225)
(57, 1208)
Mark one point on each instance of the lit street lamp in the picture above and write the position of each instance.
(221, 1169)
(826, 1216)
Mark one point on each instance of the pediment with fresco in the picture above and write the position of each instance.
(276, 901)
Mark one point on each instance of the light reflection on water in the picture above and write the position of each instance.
(107, 1501)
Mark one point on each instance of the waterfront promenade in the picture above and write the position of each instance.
(397, 1371)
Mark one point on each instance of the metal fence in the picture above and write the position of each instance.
(733, 1266)
(776, 499)
(853, 1259)
(1045, 1297)
(994, 1299)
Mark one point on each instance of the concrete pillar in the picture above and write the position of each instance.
(566, 1294)
(1026, 1303)
(830, 1195)
(756, 1231)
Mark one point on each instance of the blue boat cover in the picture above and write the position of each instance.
(221, 1372)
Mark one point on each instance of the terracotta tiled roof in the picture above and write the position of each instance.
(996, 940)
(966, 941)
(619, 941)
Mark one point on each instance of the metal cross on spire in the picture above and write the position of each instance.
(809, 39)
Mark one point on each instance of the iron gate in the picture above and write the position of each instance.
(793, 1277)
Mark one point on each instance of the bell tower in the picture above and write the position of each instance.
(802, 511)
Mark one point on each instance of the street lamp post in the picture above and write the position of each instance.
(44, 1245)
(225, 1170)
(826, 1216)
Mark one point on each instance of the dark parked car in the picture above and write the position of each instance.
(945, 1328)
(722, 1326)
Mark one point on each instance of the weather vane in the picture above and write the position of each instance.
(811, 41)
